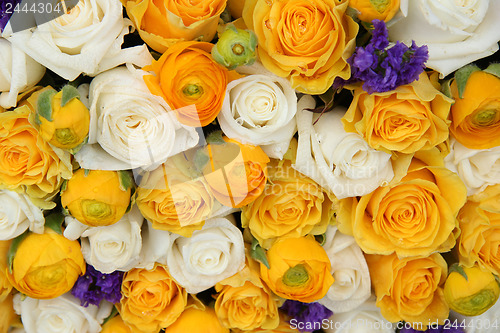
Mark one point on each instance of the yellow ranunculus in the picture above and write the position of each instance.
(175, 197)
(370, 10)
(244, 302)
(116, 325)
(96, 199)
(196, 320)
(299, 269)
(412, 217)
(64, 126)
(27, 162)
(306, 41)
(151, 299)
(291, 205)
(162, 23)
(410, 289)
(475, 118)
(471, 296)
(5, 285)
(409, 118)
(480, 230)
(46, 265)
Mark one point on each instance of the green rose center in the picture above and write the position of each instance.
(476, 304)
(96, 209)
(238, 49)
(65, 136)
(486, 118)
(192, 90)
(380, 5)
(296, 276)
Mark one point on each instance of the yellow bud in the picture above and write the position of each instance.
(471, 296)
(375, 9)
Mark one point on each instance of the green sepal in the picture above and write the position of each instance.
(44, 105)
(113, 314)
(258, 253)
(126, 180)
(13, 249)
(86, 172)
(76, 149)
(200, 159)
(54, 221)
(497, 279)
(446, 88)
(65, 211)
(459, 269)
(462, 75)
(493, 69)
(321, 239)
(68, 93)
(215, 138)
(64, 186)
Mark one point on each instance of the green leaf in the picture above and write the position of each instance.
(86, 172)
(493, 69)
(68, 93)
(321, 239)
(200, 159)
(446, 88)
(126, 180)
(13, 249)
(459, 269)
(215, 138)
(54, 221)
(258, 253)
(44, 104)
(462, 75)
(113, 313)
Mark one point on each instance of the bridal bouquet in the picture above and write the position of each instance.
(249, 165)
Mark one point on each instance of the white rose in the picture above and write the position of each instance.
(478, 168)
(87, 40)
(352, 285)
(259, 109)
(62, 314)
(210, 255)
(456, 32)
(17, 214)
(341, 162)
(129, 126)
(18, 72)
(364, 318)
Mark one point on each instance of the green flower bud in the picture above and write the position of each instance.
(235, 47)
(296, 276)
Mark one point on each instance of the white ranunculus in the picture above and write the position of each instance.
(129, 126)
(17, 214)
(210, 255)
(456, 32)
(18, 72)
(259, 109)
(86, 40)
(341, 162)
(352, 285)
(62, 314)
(364, 318)
(478, 168)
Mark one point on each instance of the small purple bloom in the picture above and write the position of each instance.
(94, 286)
(7, 8)
(380, 37)
(306, 313)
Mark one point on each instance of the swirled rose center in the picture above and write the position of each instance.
(296, 276)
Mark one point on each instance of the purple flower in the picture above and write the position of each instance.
(7, 8)
(94, 286)
(306, 313)
(380, 36)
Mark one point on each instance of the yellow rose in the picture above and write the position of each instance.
(5, 285)
(307, 42)
(414, 216)
(479, 239)
(370, 10)
(475, 117)
(410, 289)
(299, 269)
(46, 265)
(196, 320)
(165, 22)
(292, 205)
(244, 302)
(409, 118)
(27, 162)
(8, 316)
(99, 198)
(151, 299)
(116, 325)
(473, 295)
(175, 197)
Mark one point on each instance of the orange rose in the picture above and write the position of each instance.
(475, 117)
(27, 162)
(409, 118)
(163, 23)
(190, 81)
(306, 41)
(410, 289)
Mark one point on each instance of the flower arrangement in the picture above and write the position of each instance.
(249, 166)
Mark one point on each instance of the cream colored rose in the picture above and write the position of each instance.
(129, 126)
(86, 40)
(351, 286)
(18, 72)
(209, 256)
(455, 32)
(341, 162)
(17, 214)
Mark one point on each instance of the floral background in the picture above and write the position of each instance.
(258, 165)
